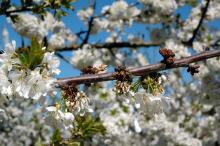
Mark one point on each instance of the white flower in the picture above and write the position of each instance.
(18, 80)
(5, 85)
(25, 82)
(52, 62)
(198, 46)
(30, 26)
(85, 56)
(152, 105)
(121, 10)
(137, 126)
(58, 119)
(179, 49)
(2, 110)
(80, 104)
(6, 57)
(38, 85)
(99, 25)
(57, 41)
(162, 6)
(85, 14)
(118, 10)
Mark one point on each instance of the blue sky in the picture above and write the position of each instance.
(73, 22)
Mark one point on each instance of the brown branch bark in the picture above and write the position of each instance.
(138, 71)
(113, 45)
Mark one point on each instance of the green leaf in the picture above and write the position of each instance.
(113, 112)
(74, 144)
(88, 126)
(59, 13)
(135, 86)
(193, 3)
(31, 57)
(56, 139)
(125, 108)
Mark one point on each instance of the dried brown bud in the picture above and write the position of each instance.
(121, 74)
(69, 91)
(88, 70)
(170, 60)
(94, 70)
(168, 56)
(166, 53)
(192, 69)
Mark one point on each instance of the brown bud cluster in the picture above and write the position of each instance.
(69, 90)
(94, 70)
(69, 93)
(121, 74)
(192, 69)
(168, 56)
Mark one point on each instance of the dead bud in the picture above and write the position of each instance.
(192, 69)
(94, 70)
(168, 56)
(121, 74)
(69, 90)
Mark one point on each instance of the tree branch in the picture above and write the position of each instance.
(195, 32)
(23, 9)
(138, 71)
(113, 45)
(64, 58)
(90, 25)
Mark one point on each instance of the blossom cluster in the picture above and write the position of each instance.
(25, 82)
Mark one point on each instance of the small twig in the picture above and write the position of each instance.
(90, 25)
(78, 34)
(64, 58)
(195, 32)
(113, 45)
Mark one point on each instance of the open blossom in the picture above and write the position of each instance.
(22, 130)
(179, 49)
(29, 26)
(7, 59)
(99, 25)
(59, 119)
(152, 105)
(78, 104)
(162, 6)
(52, 62)
(37, 85)
(84, 57)
(5, 85)
(116, 120)
(85, 14)
(174, 134)
(120, 11)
